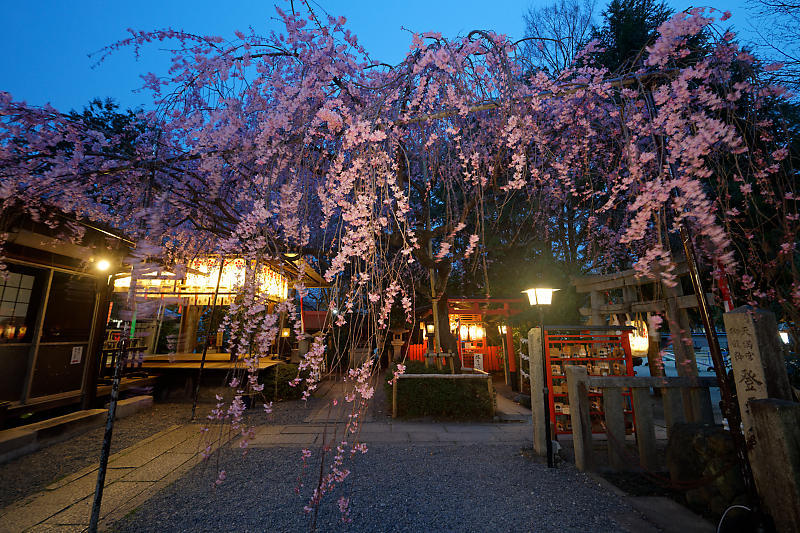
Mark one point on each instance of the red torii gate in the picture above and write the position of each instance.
(478, 309)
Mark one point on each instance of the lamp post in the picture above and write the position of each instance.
(540, 297)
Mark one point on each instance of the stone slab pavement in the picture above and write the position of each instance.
(133, 475)
(401, 433)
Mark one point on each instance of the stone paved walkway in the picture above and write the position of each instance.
(138, 473)
(133, 475)
(401, 433)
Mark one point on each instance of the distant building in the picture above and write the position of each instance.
(51, 301)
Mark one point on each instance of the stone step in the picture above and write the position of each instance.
(22, 440)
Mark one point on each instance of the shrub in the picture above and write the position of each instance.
(444, 399)
(283, 373)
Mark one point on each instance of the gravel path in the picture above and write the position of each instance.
(392, 488)
(31, 473)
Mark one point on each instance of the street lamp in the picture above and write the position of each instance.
(103, 265)
(539, 297)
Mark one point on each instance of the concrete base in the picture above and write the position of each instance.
(656, 513)
(129, 406)
(23, 440)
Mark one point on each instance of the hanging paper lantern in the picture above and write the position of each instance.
(638, 338)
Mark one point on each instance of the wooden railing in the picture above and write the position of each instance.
(678, 394)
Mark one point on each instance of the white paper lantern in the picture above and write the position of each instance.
(638, 338)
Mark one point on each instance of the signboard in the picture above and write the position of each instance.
(77, 355)
(478, 364)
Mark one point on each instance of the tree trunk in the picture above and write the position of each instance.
(448, 340)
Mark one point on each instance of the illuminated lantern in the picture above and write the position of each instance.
(638, 338)
(479, 332)
(463, 331)
(473, 331)
(540, 295)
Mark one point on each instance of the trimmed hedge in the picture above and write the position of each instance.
(284, 373)
(440, 399)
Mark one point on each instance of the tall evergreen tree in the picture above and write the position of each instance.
(628, 27)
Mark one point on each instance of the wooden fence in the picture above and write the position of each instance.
(678, 394)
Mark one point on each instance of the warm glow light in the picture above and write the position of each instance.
(540, 295)
(422, 326)
(285, 332)
(204, 271)
(429, 327)
(473, 331)
(502, 329)
(638, 338)
(479, 332)
(103, 265)
(463, 331)
(201, 281)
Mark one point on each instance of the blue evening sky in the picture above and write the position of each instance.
(46, 43)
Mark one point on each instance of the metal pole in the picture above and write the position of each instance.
(205, 340)
(112, 409)
(729, 408)
(546, 394)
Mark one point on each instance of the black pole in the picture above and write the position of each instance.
(205, 340)
(112, 409)
(546, 394)
(730, 409)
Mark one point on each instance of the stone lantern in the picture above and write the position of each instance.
(397, 343)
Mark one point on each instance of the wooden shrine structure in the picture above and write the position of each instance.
(628, 293)
(466, 312)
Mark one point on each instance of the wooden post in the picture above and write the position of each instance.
(394, 397)
(615, 426)
(685, 363)
(511, 359)
(579, 415)
(491, 393)
(596, 300)
(654, 361)
(673, 407)
(645, 430)
(702, 398)
(537, 383)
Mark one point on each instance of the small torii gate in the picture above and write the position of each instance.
(666, 299)
(490, 307)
